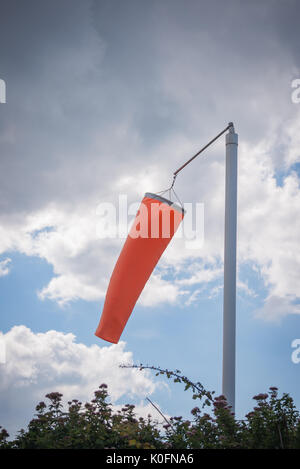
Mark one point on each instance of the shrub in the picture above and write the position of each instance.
(273, 423)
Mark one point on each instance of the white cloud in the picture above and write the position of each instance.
(201, 274)
(275, 307)
(106, 117)
(38, 363)
(291, 141)
(268, 236)
(269, 226)
(243, 286)
(5, 267)
(158, 290)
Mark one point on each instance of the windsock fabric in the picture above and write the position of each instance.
(154, 226)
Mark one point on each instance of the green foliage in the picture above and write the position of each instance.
(273, 423)
(92, 426)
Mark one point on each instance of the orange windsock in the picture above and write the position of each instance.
(154, 226)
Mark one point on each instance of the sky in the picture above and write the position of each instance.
(106, 98)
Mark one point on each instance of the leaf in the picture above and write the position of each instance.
(132, 442)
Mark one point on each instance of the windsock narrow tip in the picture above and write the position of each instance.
(107, 338)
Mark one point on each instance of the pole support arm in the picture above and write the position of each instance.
(229, 127)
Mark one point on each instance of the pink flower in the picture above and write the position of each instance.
(260, 397)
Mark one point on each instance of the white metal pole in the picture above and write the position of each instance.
(229, 300)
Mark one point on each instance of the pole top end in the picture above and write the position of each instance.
(231, 127)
